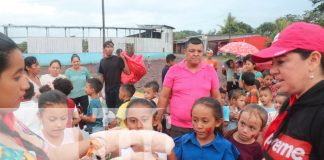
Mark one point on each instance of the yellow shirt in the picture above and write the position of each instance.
(121, 114)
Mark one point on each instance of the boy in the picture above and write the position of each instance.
(126, 92)
(94, 115)
(248, 83)
(279, 99)
(210, 60)
(267, 103)
(170, 59)
(151, 90)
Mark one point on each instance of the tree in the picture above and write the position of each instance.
(184, 34)
(266, 28)
(232, 26)
(23, 47)
(317, 14)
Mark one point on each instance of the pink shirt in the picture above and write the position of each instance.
(186, 87)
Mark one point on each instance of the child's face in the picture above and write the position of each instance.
(279, 100)
(267, 80)
(266, 98)
(209, 54)
(139, 117)
(171, 63)
(249, 126)
(122, 93)
(149, 93)
(88, 89)
(204, 122)
(249, 66)
(54, 119)
(240, 102)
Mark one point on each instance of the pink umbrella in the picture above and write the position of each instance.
(239, 48)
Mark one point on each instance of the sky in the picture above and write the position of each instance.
(180, 14)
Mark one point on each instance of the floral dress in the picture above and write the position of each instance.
(7, 153)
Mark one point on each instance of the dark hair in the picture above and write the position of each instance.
(56, 61)
(248, 58)
(29, 93)
(215, 106)
(235, 94)
(119, 51)
(266, 89)
(7, 45)
(194, 40)
(50, 98)
(45, 88)
(75, 56)
(108, 43)
(140, 101)
(222, 90)
(152, 84)
(170, 58)
(228, 62)
(96, 84)
(248, 78)
(129, 88)
(29, 61)
(306, 53)
(266, 73)
(64, 85)
(257, 84)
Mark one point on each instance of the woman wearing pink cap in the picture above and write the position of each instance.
(298, 67)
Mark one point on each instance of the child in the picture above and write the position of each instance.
(53, 113)
(28, 107)
(248, 83)
(206, 142)
(213, 63)
(251, 121)
(44, 88)
(126, 92)
(268, 81)
(170, 60)
(222, 92)
(94, 115)
(65, 86)
(151, 90)
(280, 98)
(267, 103)
(139, 116)
(231, 81)
(237, 103)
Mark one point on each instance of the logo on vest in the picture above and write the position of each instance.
(286, 147)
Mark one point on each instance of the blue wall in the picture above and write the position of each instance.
(86, 58)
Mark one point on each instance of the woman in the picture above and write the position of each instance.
(54, 72)
(249, 65)
(298, 67)
(78, 76)
(17, 142)
(32, 70)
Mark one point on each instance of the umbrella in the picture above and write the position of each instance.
(239, 48)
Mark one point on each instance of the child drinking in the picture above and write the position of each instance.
(94, 115)
(251, 121)
(139, 116)
(53, 113)
(126, 92)
(206, 142)
(267, 103)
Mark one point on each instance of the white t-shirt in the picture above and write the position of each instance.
(69, 137)
(128, 151)
(27, 114)
(48, 79)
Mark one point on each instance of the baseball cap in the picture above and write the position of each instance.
(299, 35)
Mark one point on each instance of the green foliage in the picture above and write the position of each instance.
(185, 33)
(317, 14)
(232, 26)
(23, 47)
(266, 28)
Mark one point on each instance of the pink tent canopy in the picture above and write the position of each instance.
(239, 48)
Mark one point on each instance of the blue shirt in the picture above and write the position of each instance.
(95, 108)
(187, 147)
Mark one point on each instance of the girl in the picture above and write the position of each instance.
(206, 142)
(32, 70)
(237, 102)
(78, 76)
(249, 65)
(251, 122)
(139, 116)
(53, 113)
(54, 72)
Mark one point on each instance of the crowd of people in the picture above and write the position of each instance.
(269, 114)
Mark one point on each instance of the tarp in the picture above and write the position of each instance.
(136, 67)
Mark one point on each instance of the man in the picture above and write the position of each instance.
(185, 82)
(110, 69)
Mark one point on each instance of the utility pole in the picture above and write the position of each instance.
(103, 21)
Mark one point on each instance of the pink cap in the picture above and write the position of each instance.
(299, 35)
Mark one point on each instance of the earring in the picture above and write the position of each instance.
(311, 76)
